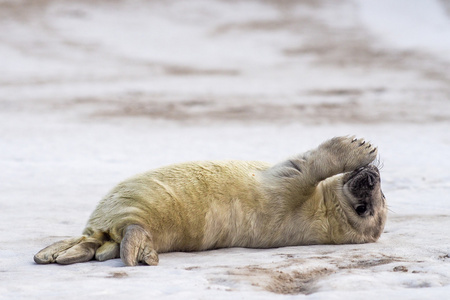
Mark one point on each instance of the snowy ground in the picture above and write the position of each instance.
(92, 92)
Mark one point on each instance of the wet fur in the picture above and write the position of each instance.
(206, 205)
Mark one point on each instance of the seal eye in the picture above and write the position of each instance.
(361, 209)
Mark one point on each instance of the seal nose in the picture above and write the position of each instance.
(370, 180)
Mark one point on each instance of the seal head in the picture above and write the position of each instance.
(362, 190)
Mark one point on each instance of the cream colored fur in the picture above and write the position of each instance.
(206, 205)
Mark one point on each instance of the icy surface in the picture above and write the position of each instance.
(93, 92)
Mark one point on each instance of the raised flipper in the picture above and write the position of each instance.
(73, 250)
(137, 247)
(339, 155)
(335, 156)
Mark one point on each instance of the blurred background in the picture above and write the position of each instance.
(255, 61)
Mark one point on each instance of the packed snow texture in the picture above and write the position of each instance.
(92, 92)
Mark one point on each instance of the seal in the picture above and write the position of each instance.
(328, 195)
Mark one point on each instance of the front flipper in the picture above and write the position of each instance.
(137, 246)
(299, 175)
(345, 154)
(335, 156)
(73, 250)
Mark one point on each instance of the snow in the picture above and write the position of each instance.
(91, 93)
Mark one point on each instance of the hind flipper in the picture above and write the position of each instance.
(49, 254)
(69, 251)
(137, 246)
(109, 250)
(82, 252)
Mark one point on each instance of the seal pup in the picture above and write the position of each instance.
(328, 195)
